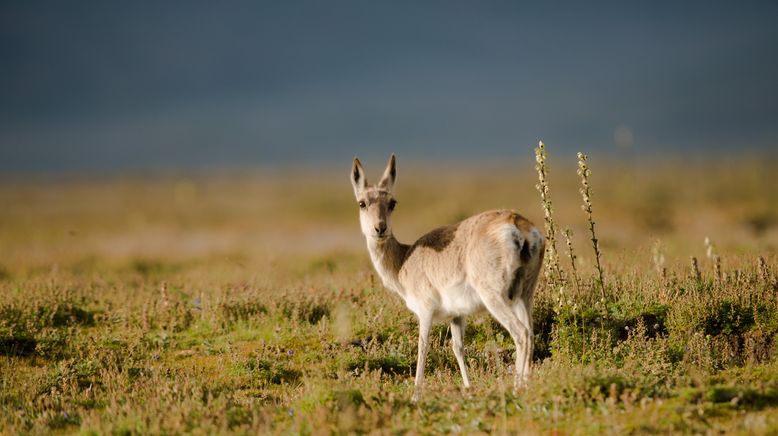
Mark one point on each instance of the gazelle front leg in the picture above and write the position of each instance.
(457, 342)
(504, 314)
(425, 323)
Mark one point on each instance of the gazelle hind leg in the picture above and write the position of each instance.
(522, 306)
(457, 342)
(501, 310)
(523, 311)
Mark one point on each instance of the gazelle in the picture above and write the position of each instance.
(490, 260)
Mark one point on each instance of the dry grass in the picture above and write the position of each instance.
(246, 302)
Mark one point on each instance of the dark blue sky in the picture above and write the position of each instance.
(123, 85)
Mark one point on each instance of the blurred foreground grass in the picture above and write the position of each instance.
(246, 302)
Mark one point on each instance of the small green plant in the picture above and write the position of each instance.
(390, 364)
(727, 317)
(761, 266)
(552, 270)
(571, 255)
(241, 310)
(272, 372)
(696, 274)
(658, 257)
(586, 193)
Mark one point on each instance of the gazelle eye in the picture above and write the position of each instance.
(362, 205)
(392, 204)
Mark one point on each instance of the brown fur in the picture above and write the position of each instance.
(437, 239)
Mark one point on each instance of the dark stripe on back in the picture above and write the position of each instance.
(437, 239)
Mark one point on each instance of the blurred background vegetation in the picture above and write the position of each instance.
(252, 217)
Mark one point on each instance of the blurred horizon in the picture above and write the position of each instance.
(98, 88)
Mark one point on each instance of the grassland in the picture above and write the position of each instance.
(245, 302)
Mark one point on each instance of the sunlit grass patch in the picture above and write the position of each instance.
(228, 315)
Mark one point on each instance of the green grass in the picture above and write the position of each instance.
(249, 305)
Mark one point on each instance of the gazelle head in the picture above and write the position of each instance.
(376, 202)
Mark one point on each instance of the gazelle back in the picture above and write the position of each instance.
(488, 261)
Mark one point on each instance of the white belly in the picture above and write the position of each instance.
(455, 300)
(458, 300)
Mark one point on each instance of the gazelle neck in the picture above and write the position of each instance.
(388, 257)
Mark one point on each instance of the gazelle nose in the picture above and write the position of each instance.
(380, 229)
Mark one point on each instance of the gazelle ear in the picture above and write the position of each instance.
(390, 174)
(358, 179)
